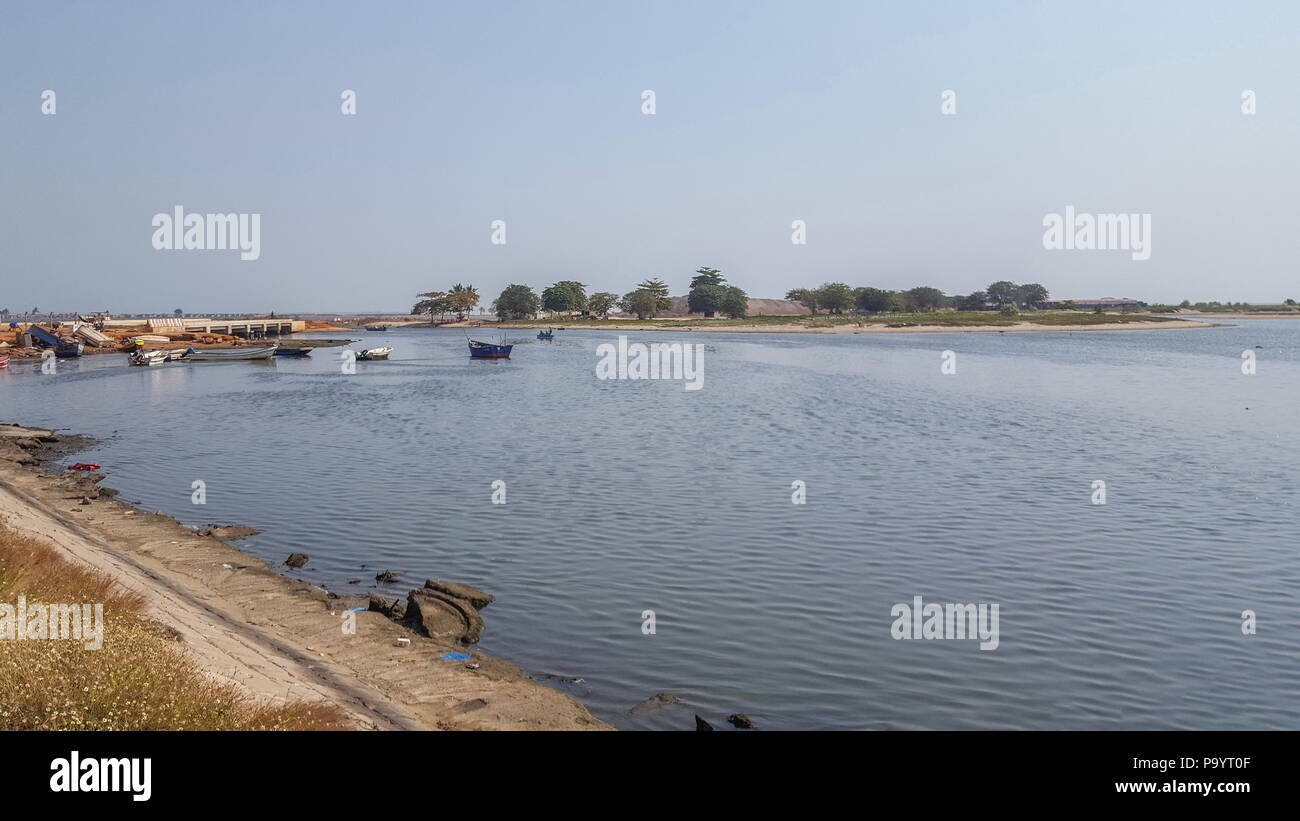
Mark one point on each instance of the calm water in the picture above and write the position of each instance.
(628, 496)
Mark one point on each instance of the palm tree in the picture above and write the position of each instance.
(463, 298)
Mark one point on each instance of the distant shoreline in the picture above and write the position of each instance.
(706, 326)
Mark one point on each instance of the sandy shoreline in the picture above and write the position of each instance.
(276, 638)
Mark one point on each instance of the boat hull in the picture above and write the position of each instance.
(233, 355)
(483, 350)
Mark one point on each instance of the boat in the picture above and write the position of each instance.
(486, 350)
(375, 327)
(282, 351)
(374, 353)
(64, 348)
(546, 334)
(148, 358)
(4, 361)
(229, 354)
(176, 354)
(147, 339)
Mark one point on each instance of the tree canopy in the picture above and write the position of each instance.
(565, 296)
(516, 302)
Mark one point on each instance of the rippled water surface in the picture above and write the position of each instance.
(632, 496)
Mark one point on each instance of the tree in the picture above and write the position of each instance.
(641, 302)
(516, 302)
(735, 303)
(708, 288)
(656, 286)
(835, 297)
(1288, 302)
(601, 303)
(871, 300)
(565, 296)
(1032, 293)
(462, 299)
(972, 302)
(925, 298)
(806, 297)
(896, 302)
(178, 312)
(1003, 292)
(434, 302)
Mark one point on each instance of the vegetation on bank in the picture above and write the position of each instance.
(893, 320)
(142, 678)
(1287, 307)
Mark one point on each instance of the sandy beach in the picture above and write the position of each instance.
(276, 638)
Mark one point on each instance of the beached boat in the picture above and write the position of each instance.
(374, 353)
(486, 350)
(68, 349)
(546, 334)
(282, 351)
(230, 354)
(4, 361)
(376, 327)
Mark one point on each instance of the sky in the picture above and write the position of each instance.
(532, 114)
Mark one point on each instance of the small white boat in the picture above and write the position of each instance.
(374, 353)
(148, 358)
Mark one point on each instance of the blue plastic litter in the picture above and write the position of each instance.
(454, 656)
(358, 609)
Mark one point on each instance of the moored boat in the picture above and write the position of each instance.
(546, 334)
(230, 354)
(147, 358)
(375, 327)
(486, 350)
(374, 353)
(282, 351)
(4, 361)
(68, 349)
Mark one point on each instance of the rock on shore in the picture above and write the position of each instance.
(448, 610)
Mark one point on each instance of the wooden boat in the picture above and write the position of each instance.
(375, 327)
(282, 351)
(546, 334)
(230, 354)
(4, 361)
(68, 349)
(374, 353)
(486, 350)
(147, 339)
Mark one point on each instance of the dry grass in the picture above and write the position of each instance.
(141, 679)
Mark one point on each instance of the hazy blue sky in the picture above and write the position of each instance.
(827, 112)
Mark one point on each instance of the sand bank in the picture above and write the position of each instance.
(276, 638)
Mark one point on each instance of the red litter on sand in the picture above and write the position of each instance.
(84, 466)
